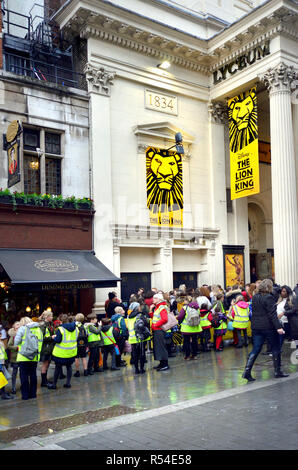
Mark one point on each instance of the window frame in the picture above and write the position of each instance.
(42, 155)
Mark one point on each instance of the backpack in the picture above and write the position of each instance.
(193, 317)
(29, 348)
(82, 337)
(140, 327)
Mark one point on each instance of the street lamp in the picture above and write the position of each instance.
(179, 143)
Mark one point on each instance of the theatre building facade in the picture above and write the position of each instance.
(192, 168)
(228, 202)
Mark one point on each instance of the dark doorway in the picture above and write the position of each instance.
(189, 279)
(131, 282)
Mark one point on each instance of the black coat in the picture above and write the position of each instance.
(264, 316)
(291, 311)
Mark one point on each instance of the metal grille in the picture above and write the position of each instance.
(53, 176)
(31, 174)
(52, 143)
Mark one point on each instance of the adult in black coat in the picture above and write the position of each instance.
(265, 326)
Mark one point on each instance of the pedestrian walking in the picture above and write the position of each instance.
(28, 366)
(265, 326)
(65, 350)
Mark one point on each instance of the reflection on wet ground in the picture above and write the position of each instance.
(211, 373)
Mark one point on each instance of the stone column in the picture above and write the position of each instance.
(218, 119)
(279, 81)
(99, 87)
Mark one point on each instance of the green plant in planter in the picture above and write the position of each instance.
(73, 201)
(59, 201)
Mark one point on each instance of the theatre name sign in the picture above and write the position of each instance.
(241, 63)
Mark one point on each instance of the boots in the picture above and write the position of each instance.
(247, 371)
(4, 395)
(277, 364)
(44, 381)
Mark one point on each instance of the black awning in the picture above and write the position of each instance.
(55, 269)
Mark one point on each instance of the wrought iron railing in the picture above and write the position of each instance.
(43, 71)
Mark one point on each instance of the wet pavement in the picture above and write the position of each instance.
(210, 374)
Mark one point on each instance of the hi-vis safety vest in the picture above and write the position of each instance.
(204, 320)
(68, 346)
(2, 353)
(37, 332)
(190, 329)
(108, 337)
(241, 319)
(156, 313)
(132, 334)
(92, 336)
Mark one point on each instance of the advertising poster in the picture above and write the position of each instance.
(164, 187)
(13, 149)
(244, 151)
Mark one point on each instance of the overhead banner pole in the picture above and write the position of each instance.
(244, 151)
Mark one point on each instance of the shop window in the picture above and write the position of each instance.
(42, 161)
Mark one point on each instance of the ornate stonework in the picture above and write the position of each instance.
(99, 80)
(280, 78)
(218, 112)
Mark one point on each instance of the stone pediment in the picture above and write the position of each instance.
(162, 130)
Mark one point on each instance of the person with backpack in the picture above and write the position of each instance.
(206, 319)
(119, 324)
(220, 325)
(94, 341)
(65, 350)
(48, 330)
(29, 338)
(189, 320)
(108, 335)
(139, 333)
(82, 345)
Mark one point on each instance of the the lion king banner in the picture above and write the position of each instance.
(164, 187)
(244, 153)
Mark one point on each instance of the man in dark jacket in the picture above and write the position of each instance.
(265, 326)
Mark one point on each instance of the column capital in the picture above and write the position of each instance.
(218, 112)
(281, 78)
(99, 79)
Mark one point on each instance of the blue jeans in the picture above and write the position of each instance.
(260, 336)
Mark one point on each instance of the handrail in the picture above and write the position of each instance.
(43, 71)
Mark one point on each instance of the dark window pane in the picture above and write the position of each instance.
(31, 139)
(53, 176)
(31, 174)
(229, 201)
(52, 143)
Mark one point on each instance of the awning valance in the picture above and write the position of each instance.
(55, 269)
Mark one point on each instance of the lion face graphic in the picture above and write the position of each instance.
(164, 180)
(243, 120)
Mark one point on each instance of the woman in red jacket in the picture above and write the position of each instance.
(159, 315)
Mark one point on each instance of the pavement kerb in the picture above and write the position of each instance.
(52, 442)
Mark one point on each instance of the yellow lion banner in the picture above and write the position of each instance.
(244, 153)
(164, 187)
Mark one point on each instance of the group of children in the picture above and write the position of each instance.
(96, 340)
